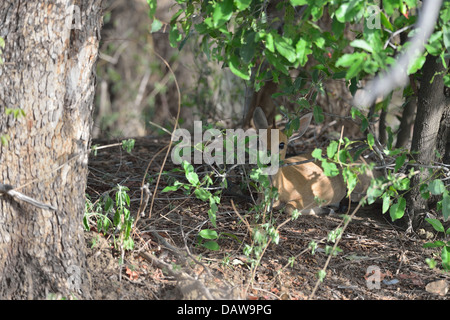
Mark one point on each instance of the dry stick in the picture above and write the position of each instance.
(363, 200)
(170, 143)
(397, 76)
(343, 228)
(250, 231)
(141, 206)
(240, 217)
(336, 243)
(252, 277)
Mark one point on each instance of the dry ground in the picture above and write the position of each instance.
(168, 264)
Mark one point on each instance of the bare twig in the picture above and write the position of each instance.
(397, 75)
(9, 190)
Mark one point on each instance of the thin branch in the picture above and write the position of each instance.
(397, 75)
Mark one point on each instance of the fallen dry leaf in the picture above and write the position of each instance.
(132, 274)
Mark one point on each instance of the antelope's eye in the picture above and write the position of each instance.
(281, 146)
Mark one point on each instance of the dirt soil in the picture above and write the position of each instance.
(167, 262)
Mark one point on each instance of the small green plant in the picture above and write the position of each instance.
(264, 226)
(200, 189)
(437, 187)
(206, 238)
(121, 222)
(4, 139)
(127, 145)
(445, 245)
(99, 212)
(17, 113)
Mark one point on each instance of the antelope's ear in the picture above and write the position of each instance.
(304, 124)
(259, 119)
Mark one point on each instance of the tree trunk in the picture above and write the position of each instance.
(443, 140)
(409, 109)
(48, 72)
(430, 109)
(407, 122)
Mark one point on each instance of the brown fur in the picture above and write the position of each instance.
(305, 187)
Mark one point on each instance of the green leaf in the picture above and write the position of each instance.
(446, 206)
(275, 61)
(399, 161)
(211, 245)
(337, 28)
(222, 12)
(386, 202)
(284, 47)
(321, 274)
(152, 8)
(434, 244)
(303, 49)
(436, 187)
(354, 61)
(270, 45)
(445, 256)
(317, 154)
(434, 46)
(362, 44)
(318, 114)
(298, 2)
(370, 140)
(373, 193)
(390, 5)
(436, 224)
(398, 210)
(208, 234)
(332, 149)
(416, 65)
(156, 26)
(192, 177)
(170, 188)
(385, 21)
(344, 155)
(446, 35)
(330, 169)
(242, 4)
(174, 36)
(241, 70)
(424, 192)
(350, 178)
(431, 263)
(349, 11)
(212, 211)
(247, 50)
(202, 194)
(447, 80)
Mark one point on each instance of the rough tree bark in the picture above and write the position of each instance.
(431, 106)
(407, 122)
(409, 109)
(48, 72)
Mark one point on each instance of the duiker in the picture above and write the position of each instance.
(263, 100)
(304, 187)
